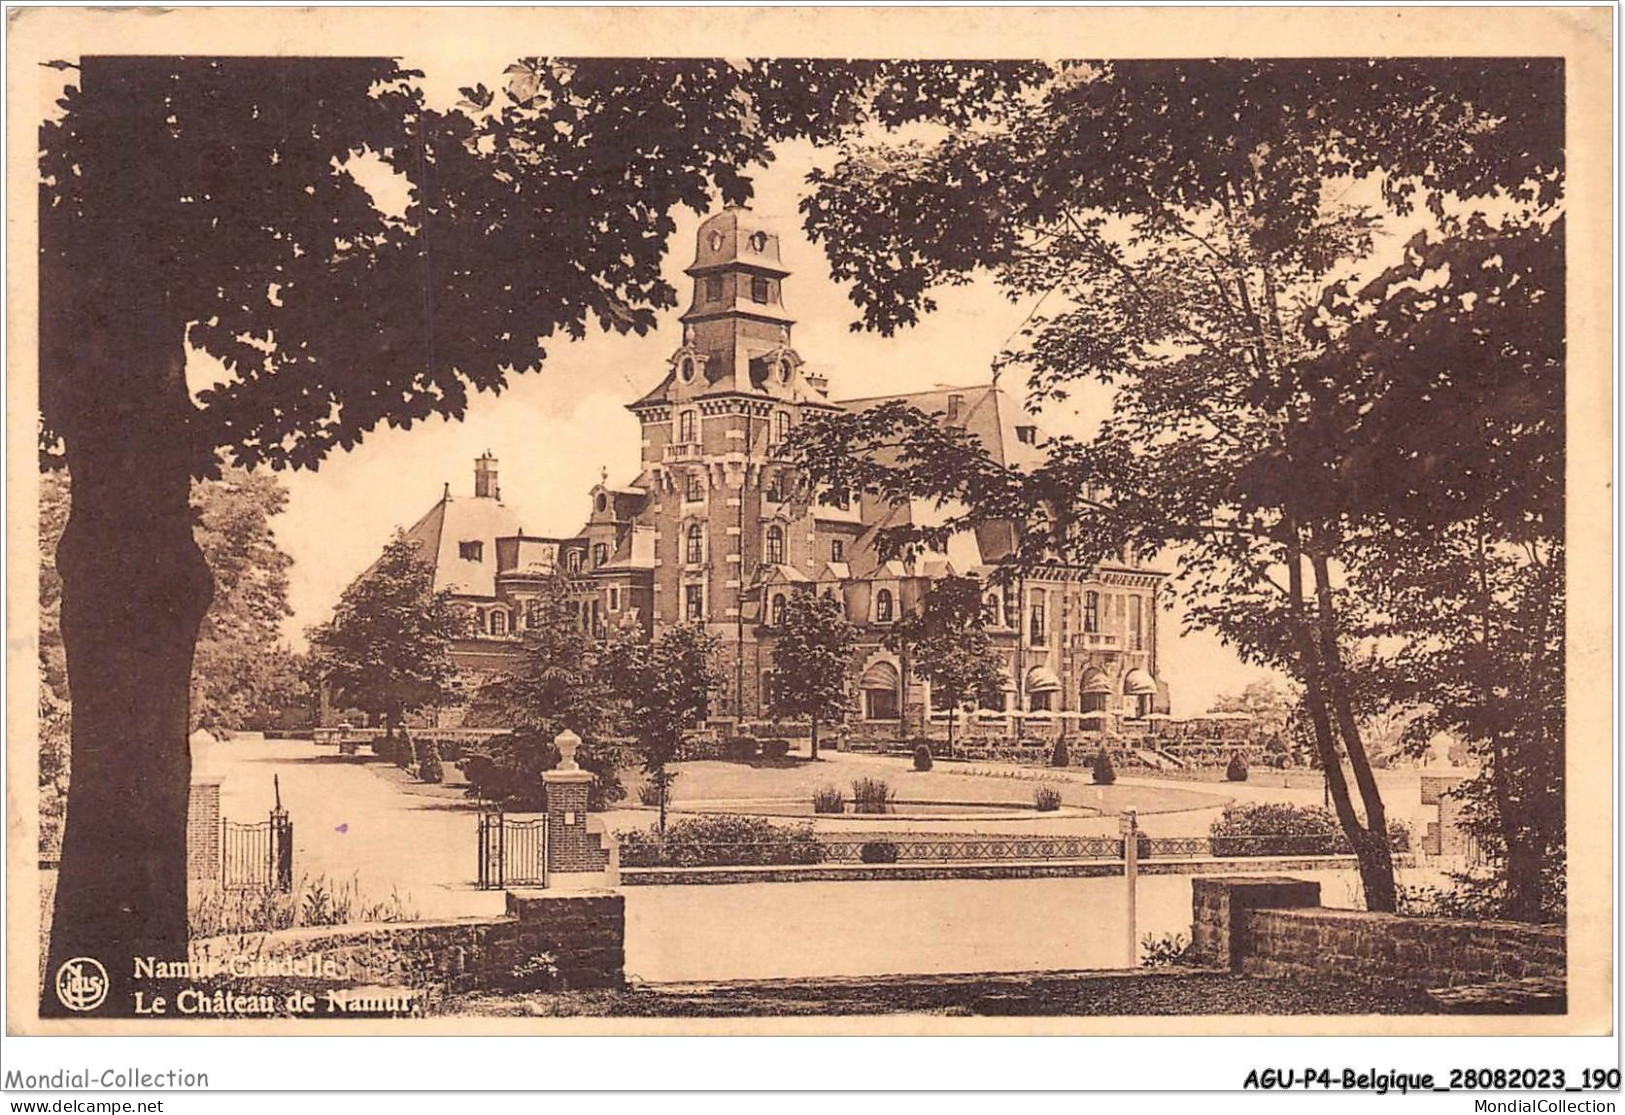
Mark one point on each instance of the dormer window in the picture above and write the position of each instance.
(471, 551)
(758, 241)
(688, 427)
(760, 290)
(600, 554)
(1027, 435)
(572, 561)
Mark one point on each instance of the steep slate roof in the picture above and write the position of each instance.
(986, 412)
(464, 519)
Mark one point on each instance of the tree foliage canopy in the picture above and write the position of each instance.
(1212, 242)
(388, 646)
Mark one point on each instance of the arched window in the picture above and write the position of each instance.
(883, 606)
(572, 561)
(499, 622)
(1091, 611)
(781, 427)
(696, 544)
(688, 427)
(779, 605)
(990, 609)
(693, 488)
(775, 545)
(600, 554)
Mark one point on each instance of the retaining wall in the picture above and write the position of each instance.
(1276, 927)
(544, 942)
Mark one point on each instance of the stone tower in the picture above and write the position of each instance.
(722, 504)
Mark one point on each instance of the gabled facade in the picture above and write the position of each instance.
(713, 529)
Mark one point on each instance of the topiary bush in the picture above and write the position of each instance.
(878, 851)
(1103, 773)
(1061, 756)
(429, 766)
(740, 749)
(775, 748)
(1237, 770)
(1046, 799)
(922, 757)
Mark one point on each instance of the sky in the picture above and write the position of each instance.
(555, 430)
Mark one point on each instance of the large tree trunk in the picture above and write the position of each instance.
(1375, 865)
(1372, 846)
(134, 583)
(815, 736)
(134, 590)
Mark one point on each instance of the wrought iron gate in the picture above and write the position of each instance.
(512, 853)
(258, 856)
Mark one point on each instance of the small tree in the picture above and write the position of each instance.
(948, 645)
(387, 647)
(666, 686)
(561, 682)
(810, 660)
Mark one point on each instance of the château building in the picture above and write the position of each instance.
(713, 529)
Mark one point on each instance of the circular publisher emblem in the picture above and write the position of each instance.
(81, 983)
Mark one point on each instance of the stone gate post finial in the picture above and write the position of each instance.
(567, 742)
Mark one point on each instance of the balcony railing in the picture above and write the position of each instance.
(683, 451)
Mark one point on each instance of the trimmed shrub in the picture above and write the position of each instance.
(1104, 774)
(720, 841)
(429, 767)
(775, 748)
(1061, 756)
(871, 795)
(878, 851)
(1274, 829)
(922, 757)
(1046, 799)
(828, 800)
(1237, 770)
(739, 749)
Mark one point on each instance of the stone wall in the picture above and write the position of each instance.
(543, 942)
(1276, 927)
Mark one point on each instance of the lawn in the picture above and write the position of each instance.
(797, 779)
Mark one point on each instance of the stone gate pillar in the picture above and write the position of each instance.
(203, 829)
(576, 856)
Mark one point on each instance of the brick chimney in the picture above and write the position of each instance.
(485, 477)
